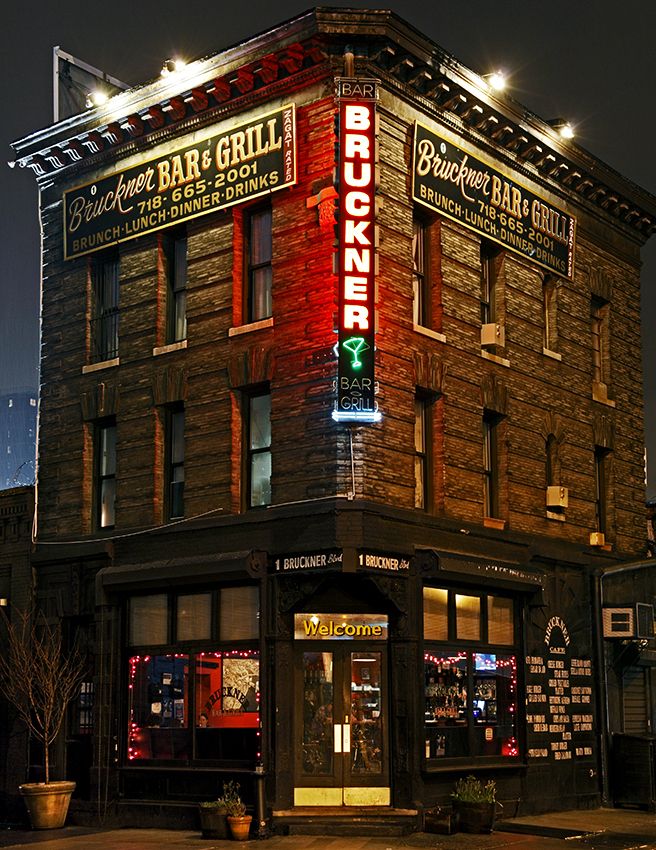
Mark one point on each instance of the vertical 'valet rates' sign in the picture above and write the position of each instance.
(356, 386)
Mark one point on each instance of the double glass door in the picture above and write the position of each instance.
(341, 727)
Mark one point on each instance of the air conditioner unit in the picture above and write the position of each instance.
(492, 334)
(597, 538)
(557, 497)
(629, 621)
(618, 622)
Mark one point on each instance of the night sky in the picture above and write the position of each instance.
(592, 63)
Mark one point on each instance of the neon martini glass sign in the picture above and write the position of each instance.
(355, 344)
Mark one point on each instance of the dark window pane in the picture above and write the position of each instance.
(260, 421)
(239, 613)
(261, 479)
(158, 697)
(194, 616)
(148, 622)
(259, 265)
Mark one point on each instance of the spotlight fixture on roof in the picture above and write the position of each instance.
(96, 98)
(496, 80)
(563, 128)
(172, 66)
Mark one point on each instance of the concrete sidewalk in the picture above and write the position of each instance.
(599, 829)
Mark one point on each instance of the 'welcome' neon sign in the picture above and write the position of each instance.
(357, 251)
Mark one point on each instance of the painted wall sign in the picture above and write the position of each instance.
(356, 255)
(235, 164)
(559, 699)
(480, 196)
(299, 562)
(379, 561)
(340, 627)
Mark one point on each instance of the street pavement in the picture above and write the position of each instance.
(598, 829)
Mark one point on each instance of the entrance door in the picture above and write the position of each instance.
(341, 726)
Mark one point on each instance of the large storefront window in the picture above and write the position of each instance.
(200, 704)
(470, 691)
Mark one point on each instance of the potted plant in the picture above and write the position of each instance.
(40, 678)
(238, 820)
(474, 804)
(214, 818)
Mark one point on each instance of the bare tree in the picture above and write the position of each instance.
(38, 676)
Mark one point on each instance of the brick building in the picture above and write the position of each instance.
(16, 588)
(17, 437)
(341, 425)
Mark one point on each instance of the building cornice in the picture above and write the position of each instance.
(312, 45)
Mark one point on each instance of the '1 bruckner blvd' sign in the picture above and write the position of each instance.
(451, 181)
(232, 165)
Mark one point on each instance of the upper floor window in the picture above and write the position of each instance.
(175, 256)
(258, 459)
(489, 280)
(491, 422)
(552, 461)
(420, 293)
(175, 455)
(601, 463)
(259, 252)
(105, 474)
(599, 318)
(422, 453)
(549, 313)
(105, 309)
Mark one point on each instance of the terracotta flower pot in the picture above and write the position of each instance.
(47, 805)
(240, 826)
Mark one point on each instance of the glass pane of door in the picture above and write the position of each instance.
(318, 700)
(366, 714)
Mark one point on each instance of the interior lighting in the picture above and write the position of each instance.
(173, 66)
(96, 98)
(496, 80)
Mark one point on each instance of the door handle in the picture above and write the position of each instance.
(337, 738)
(346, 736)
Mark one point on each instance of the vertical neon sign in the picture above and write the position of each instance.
(357, 251)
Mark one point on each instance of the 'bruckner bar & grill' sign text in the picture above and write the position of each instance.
(233, 165)
(469, 190)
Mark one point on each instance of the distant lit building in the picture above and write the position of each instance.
(18, 411)
(340, 429)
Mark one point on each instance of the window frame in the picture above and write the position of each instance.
(490, 255)
(550, 313)
(600, 340)
(105, 313)
(432, 647)
(253, 312)
(421, 301)
(491, 464)
(252, 453)
(175, 248)
(172, 416)
(102, 428)
(423, 453)
(193, 650)
(602, 474)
